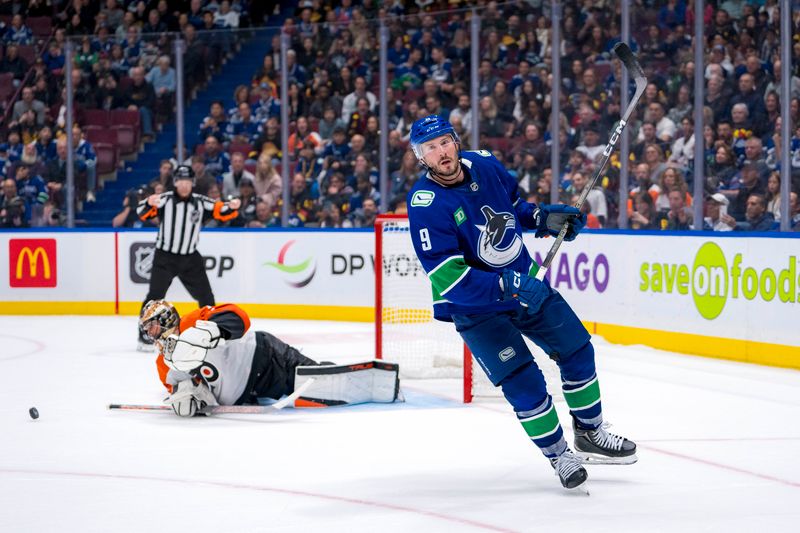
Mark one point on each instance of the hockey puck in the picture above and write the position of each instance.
(33, 412)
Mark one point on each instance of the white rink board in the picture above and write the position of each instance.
(608, 278)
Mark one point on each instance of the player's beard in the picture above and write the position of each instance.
(449, 178)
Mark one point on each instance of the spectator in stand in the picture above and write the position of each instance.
(644, 214)
(113, 13)
(330, 122)
(665, 128)
(163, 80)
(716, 211)
(717, 96)
(332, 216)
(154, 23)
(263, 216)
(86, 158)
(45, 145)
(364, 217)
(682, 152)
(756, 218)
(303, 136)
(492, 123)
(591, 146)
(774, 195)
(246, 129)
(217, 161)
(216, 123)
(53, 58)
(232, 178)
(247, 195)
(411, 74)
(12, 207)
(679, 216)
(108, 94)
(350, 102)
(13, 63)
(747, 94)
(402, 179)
(17, 32)
(596, 197)
(303, 202)
(165, 170)
(364, 190)
(28, 103)
(749, 185)
(34, 193)
(55, 173)
(268, 184)
(462, 112)
(794, 211)
(127, 218)
(671, 179)
(754, 155)
(141, 97)
(205, 180)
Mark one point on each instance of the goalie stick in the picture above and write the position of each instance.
(224, 409)
(625, 55)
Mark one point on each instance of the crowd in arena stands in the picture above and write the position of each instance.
(334, 95)
(121, 68)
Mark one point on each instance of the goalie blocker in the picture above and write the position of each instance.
(212, 357)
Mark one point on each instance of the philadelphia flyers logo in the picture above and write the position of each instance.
(209, 372)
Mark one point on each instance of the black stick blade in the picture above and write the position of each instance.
(625, 54)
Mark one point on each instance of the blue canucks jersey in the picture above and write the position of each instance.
(466, 235)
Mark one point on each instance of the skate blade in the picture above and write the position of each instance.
(597, 459)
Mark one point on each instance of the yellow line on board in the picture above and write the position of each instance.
(762, 353)
(56, 308)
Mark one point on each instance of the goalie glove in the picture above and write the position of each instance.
(550, 219)
(190, 397)
(188, 351)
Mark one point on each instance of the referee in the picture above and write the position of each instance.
(181, 213)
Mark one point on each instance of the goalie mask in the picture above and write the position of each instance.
(158, 320)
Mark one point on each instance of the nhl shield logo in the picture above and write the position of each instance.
(141, 261)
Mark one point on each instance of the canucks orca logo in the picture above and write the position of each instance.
(498, 244)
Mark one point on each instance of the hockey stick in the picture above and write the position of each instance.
(625, 55)
(224, 409)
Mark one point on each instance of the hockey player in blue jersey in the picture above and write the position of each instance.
(466, 220)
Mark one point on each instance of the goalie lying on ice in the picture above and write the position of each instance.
(212, 357)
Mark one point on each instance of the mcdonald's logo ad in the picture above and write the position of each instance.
(32, 263)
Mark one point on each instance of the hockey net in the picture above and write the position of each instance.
(405, 331)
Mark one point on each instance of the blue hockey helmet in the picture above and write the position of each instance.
(428, 128)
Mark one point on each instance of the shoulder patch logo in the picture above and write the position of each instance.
(484, 153)
(422, 198)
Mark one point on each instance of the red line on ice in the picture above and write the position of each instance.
(356, 501)
(724, 467)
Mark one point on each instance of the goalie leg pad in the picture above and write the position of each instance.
(370, 381)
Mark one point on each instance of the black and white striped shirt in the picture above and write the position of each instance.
(180, 219)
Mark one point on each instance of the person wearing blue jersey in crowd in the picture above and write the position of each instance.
(466, 221)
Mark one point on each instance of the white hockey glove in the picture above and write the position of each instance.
(190, 397)
(188, 351)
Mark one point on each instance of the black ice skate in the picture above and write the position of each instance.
(569, 469)
(598, 446)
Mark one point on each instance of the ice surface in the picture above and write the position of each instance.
(717, 445)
